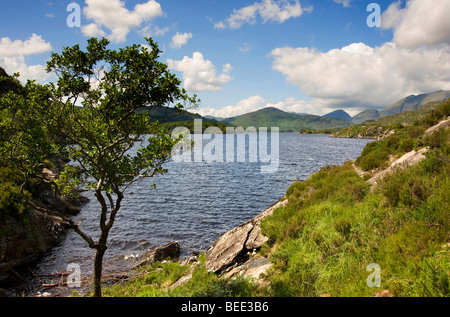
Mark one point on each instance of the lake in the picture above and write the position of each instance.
(195, 202)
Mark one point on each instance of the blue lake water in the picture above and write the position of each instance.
(196, 202)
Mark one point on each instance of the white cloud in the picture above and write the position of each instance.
(291, 104)
(359, 75)
(180, 39)
(13, 53)
(200, 74)
(268, 10)
(34, 45)
(244, 106)
(150, 31)
(245, 48)
(345, 3)
(93, 30)
(112, 15)
(419, 22)
(254, 103)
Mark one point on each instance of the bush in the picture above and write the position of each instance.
(296, 189)
(399, 252)
(373, 156)
(11, 200)
(406, 145)
(409, 187)
(437, 139)
(343, 226)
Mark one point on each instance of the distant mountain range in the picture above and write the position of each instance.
(339, 114)
(287, 122)
(410, 103)
(273, 117)
(293, 122)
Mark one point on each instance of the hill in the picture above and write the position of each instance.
(339, 114)
(171, 118)
(414, 102)
(287, 122)
(384, 125)
(369, 114)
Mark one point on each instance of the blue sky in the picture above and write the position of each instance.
(239, 56)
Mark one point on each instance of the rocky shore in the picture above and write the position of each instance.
(23, 243)
(233, 254)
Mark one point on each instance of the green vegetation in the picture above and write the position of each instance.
(168, 127)
(170, 118)
(102, 131)
(93, 115)
(414, 102)
(11, 201)
(333, 226)
(385, 125)
(26, 146)
(404, 139)
(159, 277)
(321, 131)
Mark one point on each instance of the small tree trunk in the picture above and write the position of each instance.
(98, 267)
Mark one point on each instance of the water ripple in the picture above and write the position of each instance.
(194, 203)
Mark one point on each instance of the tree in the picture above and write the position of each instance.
(94, 111)
(26, 140)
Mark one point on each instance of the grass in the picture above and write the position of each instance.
(161, 276)
(334, 226)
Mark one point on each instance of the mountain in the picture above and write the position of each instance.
(287, 122)
(171, 118)
(365, 115)
(384, 126)
(166, 114)
(214, 118)
(414, 102)
(339, 114)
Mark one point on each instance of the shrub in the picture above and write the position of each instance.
(406, 145)
(11, 200)
(343, 226)
(296, 189)
(373, 156)
(437, 139)
(399, 252)
(433, 280)
(408, 187)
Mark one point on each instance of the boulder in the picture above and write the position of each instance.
(445, 124)
(230, 247)
(251, 269)
(408, 159)
(169, 251)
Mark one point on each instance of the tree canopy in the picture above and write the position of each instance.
(89, 116)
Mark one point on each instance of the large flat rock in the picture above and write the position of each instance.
(243, 238)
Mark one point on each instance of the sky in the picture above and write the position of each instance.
(238, 56)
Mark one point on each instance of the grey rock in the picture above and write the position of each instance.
(25, 244)
(169, 251)
(251, 269)
(237, 242)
